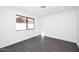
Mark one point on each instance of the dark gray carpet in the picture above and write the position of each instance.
(38, 44)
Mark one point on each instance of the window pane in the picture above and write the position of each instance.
(20, 26)
(30, 23)
(20, 23)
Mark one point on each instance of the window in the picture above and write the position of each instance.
(30, 23)
(24, 23)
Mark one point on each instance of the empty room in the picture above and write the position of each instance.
(39, 28)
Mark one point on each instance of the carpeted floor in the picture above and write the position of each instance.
(38, 44)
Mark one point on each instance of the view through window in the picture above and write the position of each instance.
(24, 23)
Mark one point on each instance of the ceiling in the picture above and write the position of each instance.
(36, 11)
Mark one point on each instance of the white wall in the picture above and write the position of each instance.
(8, 33)
(61, 26)
(7, 28)
(77, 15)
